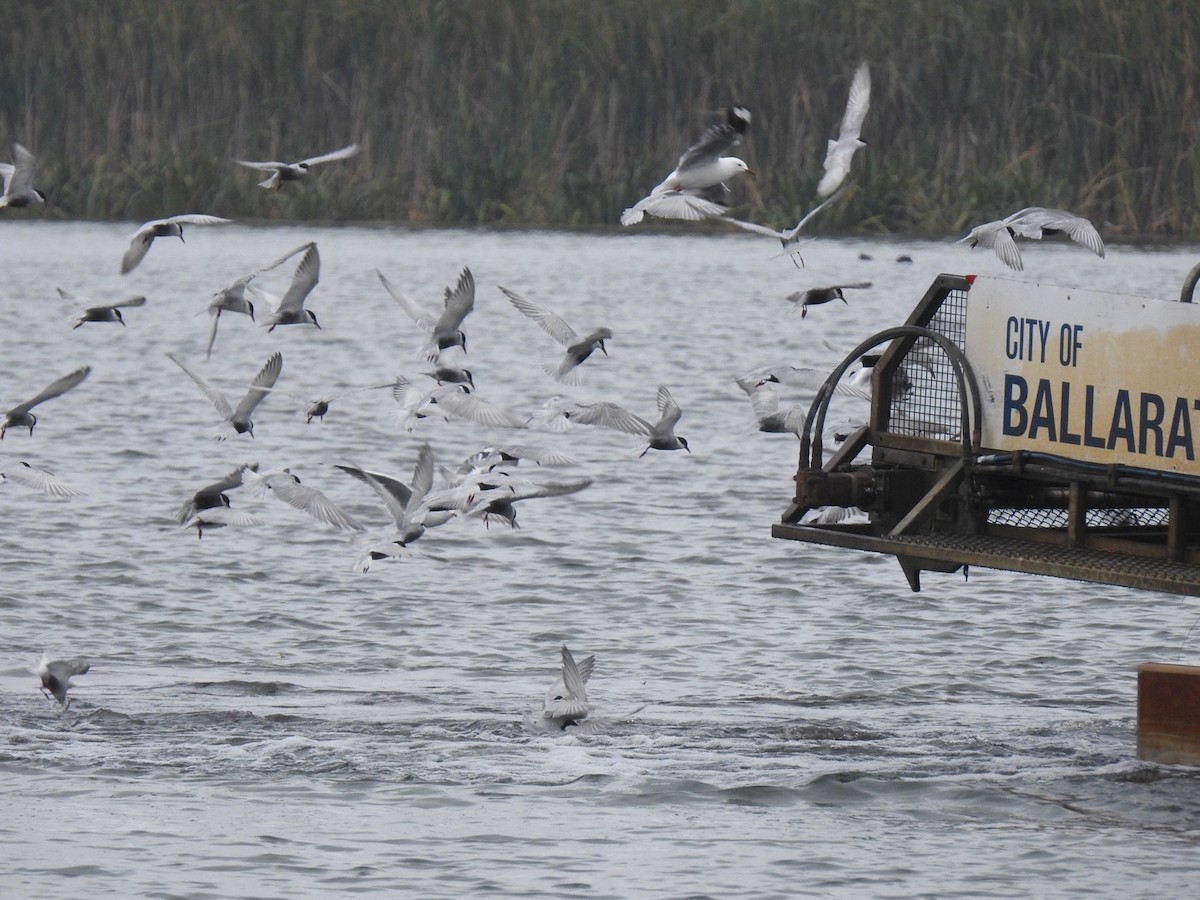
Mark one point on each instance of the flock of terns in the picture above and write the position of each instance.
(485, 484)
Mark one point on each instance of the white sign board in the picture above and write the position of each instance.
(1094, 376)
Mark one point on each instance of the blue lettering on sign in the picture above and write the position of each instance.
(1140, 425)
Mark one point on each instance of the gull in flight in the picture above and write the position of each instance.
(609, 415)
(319, 408)
(489, 496)
(447, 370)
(56, 677)
(99, 312)
(840, 152)
(1033, 222)
(282, 172)
(700, 176)
(488, 458)
(20, 415)
(234, 299)
(818, 295)
(289, 309)
(215, 495)
(36, 479)
(286, 486)
(768, 417)
(449, 401)
(566, 700)
(444, 329)
(408, 506)
(219, 517)
(578, 348)
(237, 420)
(787, 236)
(140, 243)
(18, 189)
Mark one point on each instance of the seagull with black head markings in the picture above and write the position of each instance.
(21, 415)
(282, 173)
(143, 238)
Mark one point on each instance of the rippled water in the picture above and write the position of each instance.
(771, 719)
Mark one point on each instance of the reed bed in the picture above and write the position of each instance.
(553, 113)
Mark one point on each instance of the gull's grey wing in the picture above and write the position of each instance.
(530, 490)
(790, 236)
(1031, 222)
(424, 319)
(215, 397)
(459, 302)
(395, 494)
(996, 236)
(261, 385)
(717, 138)
(312, 501)
(755, 227)
(271, 166)
(139, 246)
(673, 205)
(194, 219)
(573, 678)
(344, 153)
(422, 479)
(472, 406)
(117, 304)
(24, 167)
(668, 410)
(841, 151)
(552, 324)
(52, 390)
(858, 103)
(39, 480)
(303, 281)
(607, 415)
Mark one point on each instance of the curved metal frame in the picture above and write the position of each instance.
(812, 449)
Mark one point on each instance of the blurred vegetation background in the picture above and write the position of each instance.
(562, 113)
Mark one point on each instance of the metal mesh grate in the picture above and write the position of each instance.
(1094, 518)
(925, 400)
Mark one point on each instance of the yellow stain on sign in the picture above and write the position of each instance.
(1089, 375)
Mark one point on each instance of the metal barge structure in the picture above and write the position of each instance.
(1025, 427)
(1031, 428)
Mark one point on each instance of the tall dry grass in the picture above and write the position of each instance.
(551, 112)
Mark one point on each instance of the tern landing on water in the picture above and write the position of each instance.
(1034, 223)
(56, 676)
(841, 151)
(578, 348)
(139, 244)
(18, 189)
(694, 188)
(566, 702)
(237, 420)
(21, 416)
(282, 172)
